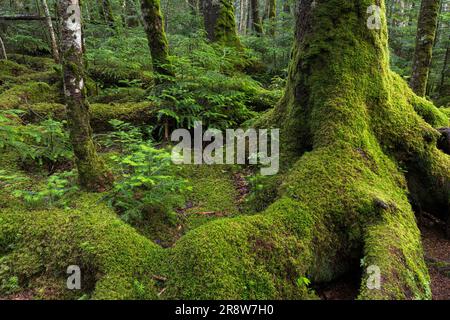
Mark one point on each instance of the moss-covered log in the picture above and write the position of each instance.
(92, 172)
(426, 33)
(157, 41)
(255, 18)
(220, 22)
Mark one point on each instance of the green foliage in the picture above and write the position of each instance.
(28, 44)
(147, 178)
(45, 143)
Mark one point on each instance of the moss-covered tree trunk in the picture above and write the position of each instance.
(219, 21)
(255, 18)
(426, 33)
(51, 31)
(92, 172)
(350, 128)
(358, 150)
(157, 41)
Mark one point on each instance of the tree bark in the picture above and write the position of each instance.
(51, 31)
(444, 82)
(219, 21)
(256, 20)
(426, 33)
(157, 41)
(3, 55)
(92, 172)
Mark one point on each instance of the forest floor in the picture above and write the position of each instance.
(218, 192)
(437, 256)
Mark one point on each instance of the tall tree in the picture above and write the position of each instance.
(426, 33)
(157, 40)
(219, 21)
(51, 31)
(92, 172)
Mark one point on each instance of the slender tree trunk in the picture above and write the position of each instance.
(51, 31)
(272, 16)
(256, 20)
(92, 172)
(219, 21)
(3, 55)
(346, 123)
(157, 41)
(426, 33)
(444, 83)
(286, 7)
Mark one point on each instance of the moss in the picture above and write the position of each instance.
(445, 111)
(22, 95)
(111, 255)
(136, 113)
(348, 136)
(9, 70)
(225, 25)
(213, 194)
(157, 40)
(37, 64)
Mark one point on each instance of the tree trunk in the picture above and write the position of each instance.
(157, 41)
(92, 172)
(256, 20)
(106, 12)
(243, 16)
(286, 7)
(350, 129)
(426, 33)
(348, 124)
(51, 31)
(219, 21)
(272, 16)
(3, 55)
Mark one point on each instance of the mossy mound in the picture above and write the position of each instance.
(116, 262)
(22, 95)
(135, 113)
